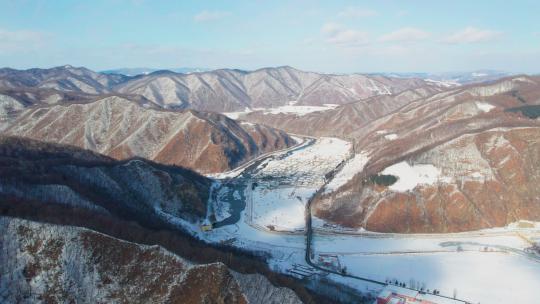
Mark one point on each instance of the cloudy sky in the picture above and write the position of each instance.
(325, 36)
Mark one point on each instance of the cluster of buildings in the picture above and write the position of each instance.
(399, 295)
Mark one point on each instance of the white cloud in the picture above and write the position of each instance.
(357, 12)
(406, 34)
(21, 40)
(339, 35)
(210, 16)
(472, 35)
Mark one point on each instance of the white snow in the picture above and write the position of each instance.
(281, 208)
(220, 206)
(353, 166)
(307, 166)
(474, 74)
(484, 106)
(391, 136)
(236, 115)
(291, 108)
(443, 84)
(504, 273)
(298, 110)
(479, 277)
(285, 184)
(411, 176)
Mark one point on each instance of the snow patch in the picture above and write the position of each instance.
(443, 84)
(236, 115)
(391, 136)
(484, 106)
(411, 176)
(291, 108)
(352, 167)
(298, 110)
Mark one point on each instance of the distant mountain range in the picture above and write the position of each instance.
(106, 151)
(218, 91)
(145, 71)
(460, 78)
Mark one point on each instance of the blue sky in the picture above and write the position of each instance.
(325, 36)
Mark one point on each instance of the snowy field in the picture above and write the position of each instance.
(306, 167)
(280, 208)
(382, 245)
(291, 108)
(283, 185)
(350, 169)
(486, 266)
(479, 277)
(411, 176)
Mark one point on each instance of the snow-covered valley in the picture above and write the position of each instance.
(486, 266)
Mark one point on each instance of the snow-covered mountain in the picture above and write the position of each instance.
(131, 210)
(145, 71)
(219, 90)
(454, 78)
(232, 90)
(63, 78)
(55, 263)
(462, 158)
(120, 128)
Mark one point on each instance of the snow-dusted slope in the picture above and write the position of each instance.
(49, 263)
(233, 90)
(48, 173)
(63, 78)
(453, 161)
(342, 120)
(122, 129)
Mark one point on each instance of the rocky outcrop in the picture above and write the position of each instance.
(122, 129)
(45, 263)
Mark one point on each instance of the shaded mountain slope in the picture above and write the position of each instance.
(138, 201)
(33, 170)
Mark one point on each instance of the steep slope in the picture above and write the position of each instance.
(50, 263)
(231, 90)
(50, 173)
(461, 160)
(138, 201)
(123, 129)
(64, 78)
